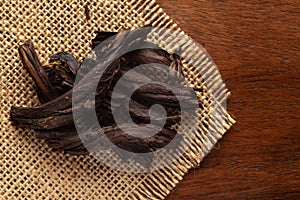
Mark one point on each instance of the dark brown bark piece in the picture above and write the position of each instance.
(66, 59)
(50, 122)
(53, 120)
(87, 12)
(37, 72)
(101, 36)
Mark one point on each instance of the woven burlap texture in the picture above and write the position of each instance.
(29, 169)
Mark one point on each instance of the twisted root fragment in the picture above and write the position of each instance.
(53, 119)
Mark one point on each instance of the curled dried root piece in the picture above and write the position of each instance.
(46, 92)
(53, 120)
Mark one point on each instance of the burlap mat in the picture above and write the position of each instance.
(28, 167)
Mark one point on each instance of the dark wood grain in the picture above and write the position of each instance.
(256, 45)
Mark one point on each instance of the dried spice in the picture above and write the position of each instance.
(87, 12)
(53, 120)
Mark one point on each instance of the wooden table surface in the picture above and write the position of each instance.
(256, 46)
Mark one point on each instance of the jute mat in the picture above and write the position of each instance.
(29, 169)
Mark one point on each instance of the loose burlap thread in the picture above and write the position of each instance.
(29, 169)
